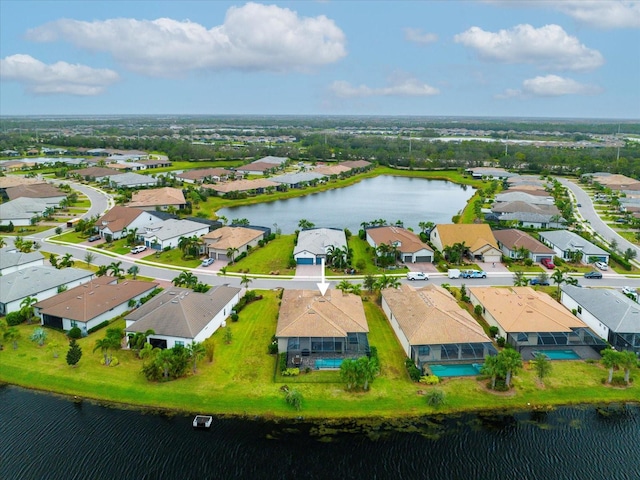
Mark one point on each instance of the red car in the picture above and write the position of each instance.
(547, 262)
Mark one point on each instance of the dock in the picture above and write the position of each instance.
(202, 421)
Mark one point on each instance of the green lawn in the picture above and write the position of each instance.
(171, 257)
(241, 378)
(273, 257)
(71, 237)
(518, 267)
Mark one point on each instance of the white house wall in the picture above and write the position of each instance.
(592, 322)
(404, 342)
(14, 306)
(15, 268)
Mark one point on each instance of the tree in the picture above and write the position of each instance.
(12, 334)
(66, 261)
(26, 308)
(611, 360)
(245, 281)
(305, 224)
(519, 280)
(102, 270)
(89, 258)
(293, 398)
(74, 354)
(630, 254)
(369, 283)
(186, 279)
(228, 335)
(522, 252)
(492, 368)
(510, 362)
(139, 340)
(613, 244)
(560, 276)
(3, 242)
(196, 352)
(349, 373)
(231, 251)
(39, 336)
(368, 368)
(627, 360)
(344, 285)
(112, 341)
(115, 269)
(542, 365)
(133, 270)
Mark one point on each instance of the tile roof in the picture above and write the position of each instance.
(33, 280)
(475, 236)
(157, 196)
(524, 207)
(119, 217)
(569, 241)
(201, 173)
(242, 185)
(409, 241)
(133, 179)
(331, 169)
(512, 196)
(430, 315)
(22, 208)
(307, 313)
(172, 228)
(523, 309)
(513, 239)
(95, 172)
(355, 164)
(257, 167)
(317, 240)
(180, 312)
(12, 257)
(294, 178)
(231, 237)
(14, 180)
(93, 298)
(37, 190)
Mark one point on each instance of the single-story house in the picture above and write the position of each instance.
(313, 244)
(155, 163)
(132, 180)
(477, 237)
(317, 326)
(179, 316)
(298, 180)
(158, 198)
(21, 211)
(357, 165)
(511, 240)
(119, 219)
(91, 303)
(410, 247)
(519, 206)
(431, 326)
(241, 239)
(279, 161)
(37, 282)
(490, 172)
(331, 170)
(257, 168)
(528, 220)
(564, 243)
(12, 260)
(96, 174)
(167, 233)
(201, 175)
(44, 192)
(510, 196)
(257, 186)
(609, 313)
(532, 321)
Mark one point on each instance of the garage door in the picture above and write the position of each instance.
(492, 258)
(304, 261)
(423, 259)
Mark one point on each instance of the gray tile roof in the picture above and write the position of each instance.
(11, 257)
(317, 240)
(611, 307)
(569, 241)
(33, 280)
(129, 178)
(530, 217)
(172, 228)
(180, 312)
(22, 208)
(295, 178)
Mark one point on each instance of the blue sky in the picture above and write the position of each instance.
(515, 58)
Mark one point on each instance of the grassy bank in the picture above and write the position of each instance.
(240, 381)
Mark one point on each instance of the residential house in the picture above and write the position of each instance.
(477, 237)
(255, 187)
(314, 244)
(132, 180)
(155, 163)
(298, 180)
(566, 244)
(12, 260)
(117, 221)
(239, 239)
(609, 313)
(279, 161)
(167, 233)
(512, 240)
(204, 175)
(158, 199)
(331, 171)
(431, 326)
(88, 305)
(21, 211)
(411, 249)
(94, 174)
(521, 206)
(313, 326)
(179, 316)
(490, 172)
(49, 194)
(357, 166)
(531, 321)
(522, 196)
(39, 282)
(528, 220)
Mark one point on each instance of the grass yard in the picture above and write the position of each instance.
(171, 257)
(273, 257)
(71, 237)
(517, 267)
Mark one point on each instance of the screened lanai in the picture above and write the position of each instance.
(452, 352)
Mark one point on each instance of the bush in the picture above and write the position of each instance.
(501, 341)
(14, 318)
(493, 331)
(528, 262)
(283, 361)
(290, 372)
(414, 372)
(75, 332)
(435, 398)
(7, 228)
(58, 230)
(97, 327)
(430, 379)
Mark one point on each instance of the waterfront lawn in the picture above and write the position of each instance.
(273, 257)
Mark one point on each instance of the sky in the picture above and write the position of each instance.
(480, 58)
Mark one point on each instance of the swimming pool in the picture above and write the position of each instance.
(456, 370)
(328, 363)
(559, 354)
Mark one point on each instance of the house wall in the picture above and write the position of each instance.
(404, 341)
(305, 254)
(598, 327)
(15, 268)
(17, 222)
(487, 316)
(435, 239)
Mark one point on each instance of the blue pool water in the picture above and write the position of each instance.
(456, 370)
(560, 354)
(329, 363)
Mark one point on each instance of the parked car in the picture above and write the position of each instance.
(622, 220)
(207, 261)
(548, 263)
(601, 266)
(93, 238)
(539, 281)
(473, 274)
(417, 276)
(579, 205)
(593, 274)
(138, 249)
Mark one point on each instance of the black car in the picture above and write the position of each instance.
(94, 238)
(537, 281)
(593, 274)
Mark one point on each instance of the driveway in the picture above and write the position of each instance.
(306, 271)
(426, 267)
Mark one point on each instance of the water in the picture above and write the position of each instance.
(560, 354)
(328, 362)
(455, 370)
(412, 200)
(45, 437)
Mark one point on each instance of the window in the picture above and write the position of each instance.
(424, 351)
(522, 337)
(579, 309)
(179, 343)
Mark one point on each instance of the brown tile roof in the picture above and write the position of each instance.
(409, 241)
(430, 315)
(242, 185)
(119, 217)
(257, 167)
(230, 237)
(475, 236)
(530, 189)
(331, 169)
(309, 314)
(179, 312)
(518, 206)
(523, 309)
(93, 298)
(37, 190)
(157, 196)
(95, 172)
(201, 173)
(513, 239)
(356, 163)
(15, 180)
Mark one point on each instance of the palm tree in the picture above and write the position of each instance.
(3, 242)
(369, 283)
(491, 368)
(115, 269)
(542, 365)
(368, 368)
(196, 352)
(344, 286)
(186, 279)
(102, 270)
(356, 288)
(131, 236)
(610, 359)
(561, 276)
(26, 307)
(522, 252)
(66, 260)
(89, 258)
(245, 281)
(231, 251)
(183, 244)
(12, 334)
(519, 280)
(133, 270)
(139, 340)
(627, 360)
(305, 224)
(110, 342)
(510, 362)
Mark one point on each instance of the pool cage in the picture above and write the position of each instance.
(354, 345)
(576, 337)
(452, 352)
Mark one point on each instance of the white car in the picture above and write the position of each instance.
(417, 276)
(138, 249)
(629, 290)
(601, 266)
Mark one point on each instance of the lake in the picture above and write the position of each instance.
(412, 200)
(49, 437)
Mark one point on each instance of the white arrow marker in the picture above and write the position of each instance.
(322, 286)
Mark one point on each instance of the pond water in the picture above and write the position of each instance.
(48, 437)
(412, 200)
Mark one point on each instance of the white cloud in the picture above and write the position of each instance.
(603, 14)
(57, 78)
(416, 35)
(549, 47)
(551, 86)
(401, 87)
(252, 37)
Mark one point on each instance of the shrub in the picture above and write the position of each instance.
(493, 331)
(283, 361)
(501, 341)
(58, 230)
(477, 310)
(294, 398)
(528, 262)
(97, 327)
(273, 348)
(235, 317)
(430, 379)
(14, 318)
(290, 372)
(435, 398)
(414, 372)
(75, 332)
